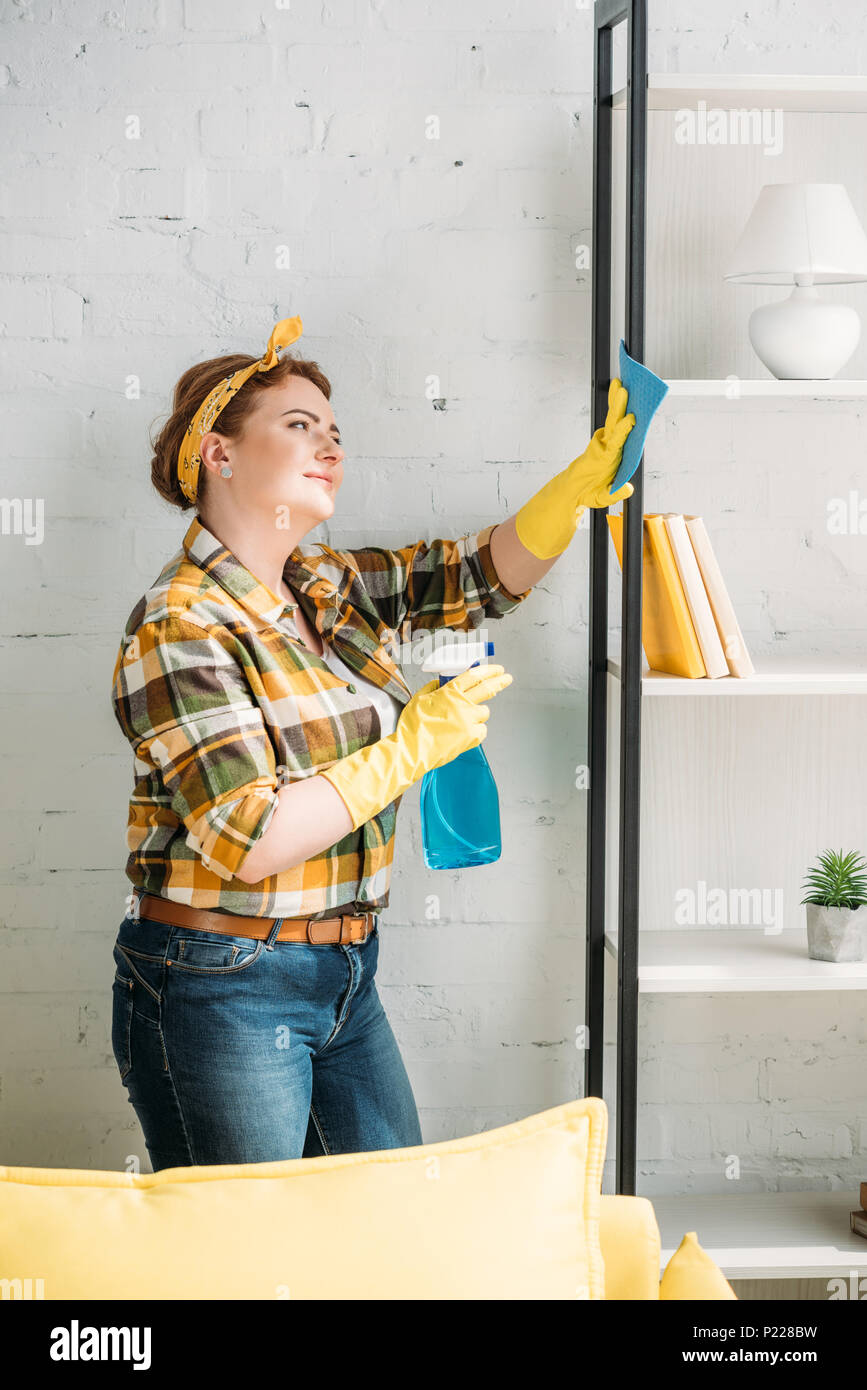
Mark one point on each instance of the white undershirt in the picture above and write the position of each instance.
(387, 706)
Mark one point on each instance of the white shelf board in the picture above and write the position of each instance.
(806, 674)
(767, 388)
(788, 91)
(767, 1235)
(734, 960)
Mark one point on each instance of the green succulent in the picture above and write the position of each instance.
(841, 881)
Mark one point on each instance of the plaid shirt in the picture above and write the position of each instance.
(223, 704)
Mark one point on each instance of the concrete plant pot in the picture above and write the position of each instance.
(836, 933)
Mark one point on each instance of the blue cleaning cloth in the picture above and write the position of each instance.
(646, 393)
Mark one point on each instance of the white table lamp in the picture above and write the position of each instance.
(805, 234)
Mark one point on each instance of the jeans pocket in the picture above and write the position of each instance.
(121, 1023)
(211, 953)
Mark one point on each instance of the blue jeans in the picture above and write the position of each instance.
(241, 1051)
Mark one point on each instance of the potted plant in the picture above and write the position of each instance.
(836, 906)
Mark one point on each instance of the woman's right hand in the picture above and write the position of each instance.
(439, 722)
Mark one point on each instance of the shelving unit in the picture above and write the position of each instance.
(696, 960)
(755, 1235)
(670, 91)
(804, 675)
(770, 388)
(767, 1235)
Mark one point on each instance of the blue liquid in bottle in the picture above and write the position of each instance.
(460, 809)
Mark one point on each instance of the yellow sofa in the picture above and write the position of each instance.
(630, 1242)
(512, 1213)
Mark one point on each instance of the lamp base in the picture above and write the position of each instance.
(804, 338)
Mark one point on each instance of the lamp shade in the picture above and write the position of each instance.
(799, 231)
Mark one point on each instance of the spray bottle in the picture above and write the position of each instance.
(460, 808)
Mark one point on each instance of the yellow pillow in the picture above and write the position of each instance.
(691, 1273)
(512, 1213)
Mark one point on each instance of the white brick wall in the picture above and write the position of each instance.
(304, 126)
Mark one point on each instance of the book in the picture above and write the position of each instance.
(667, 631)
(696, 597)
(858, 1222)
(730, 635)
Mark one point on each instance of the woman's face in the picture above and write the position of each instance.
(288, 462)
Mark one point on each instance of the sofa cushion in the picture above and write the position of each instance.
(692, 1274)
(512, 1213)
(629, 1237)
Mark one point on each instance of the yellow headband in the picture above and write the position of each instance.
(189, 458)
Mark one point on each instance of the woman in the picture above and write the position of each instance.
(274, 737)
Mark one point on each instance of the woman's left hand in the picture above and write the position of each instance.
(546, 524)
(591, 474)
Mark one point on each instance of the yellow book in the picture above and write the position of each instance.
(667, 630)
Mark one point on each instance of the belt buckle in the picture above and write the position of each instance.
(351, 927)
(133, 906)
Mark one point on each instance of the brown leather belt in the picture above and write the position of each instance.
(335, 931)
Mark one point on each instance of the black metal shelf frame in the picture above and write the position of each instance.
(608, 14)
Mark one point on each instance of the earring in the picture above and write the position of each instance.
(225, 472)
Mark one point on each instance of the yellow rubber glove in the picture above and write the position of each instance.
(437, 724)
(546, 524)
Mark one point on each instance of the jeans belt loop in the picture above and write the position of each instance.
(348, 931)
